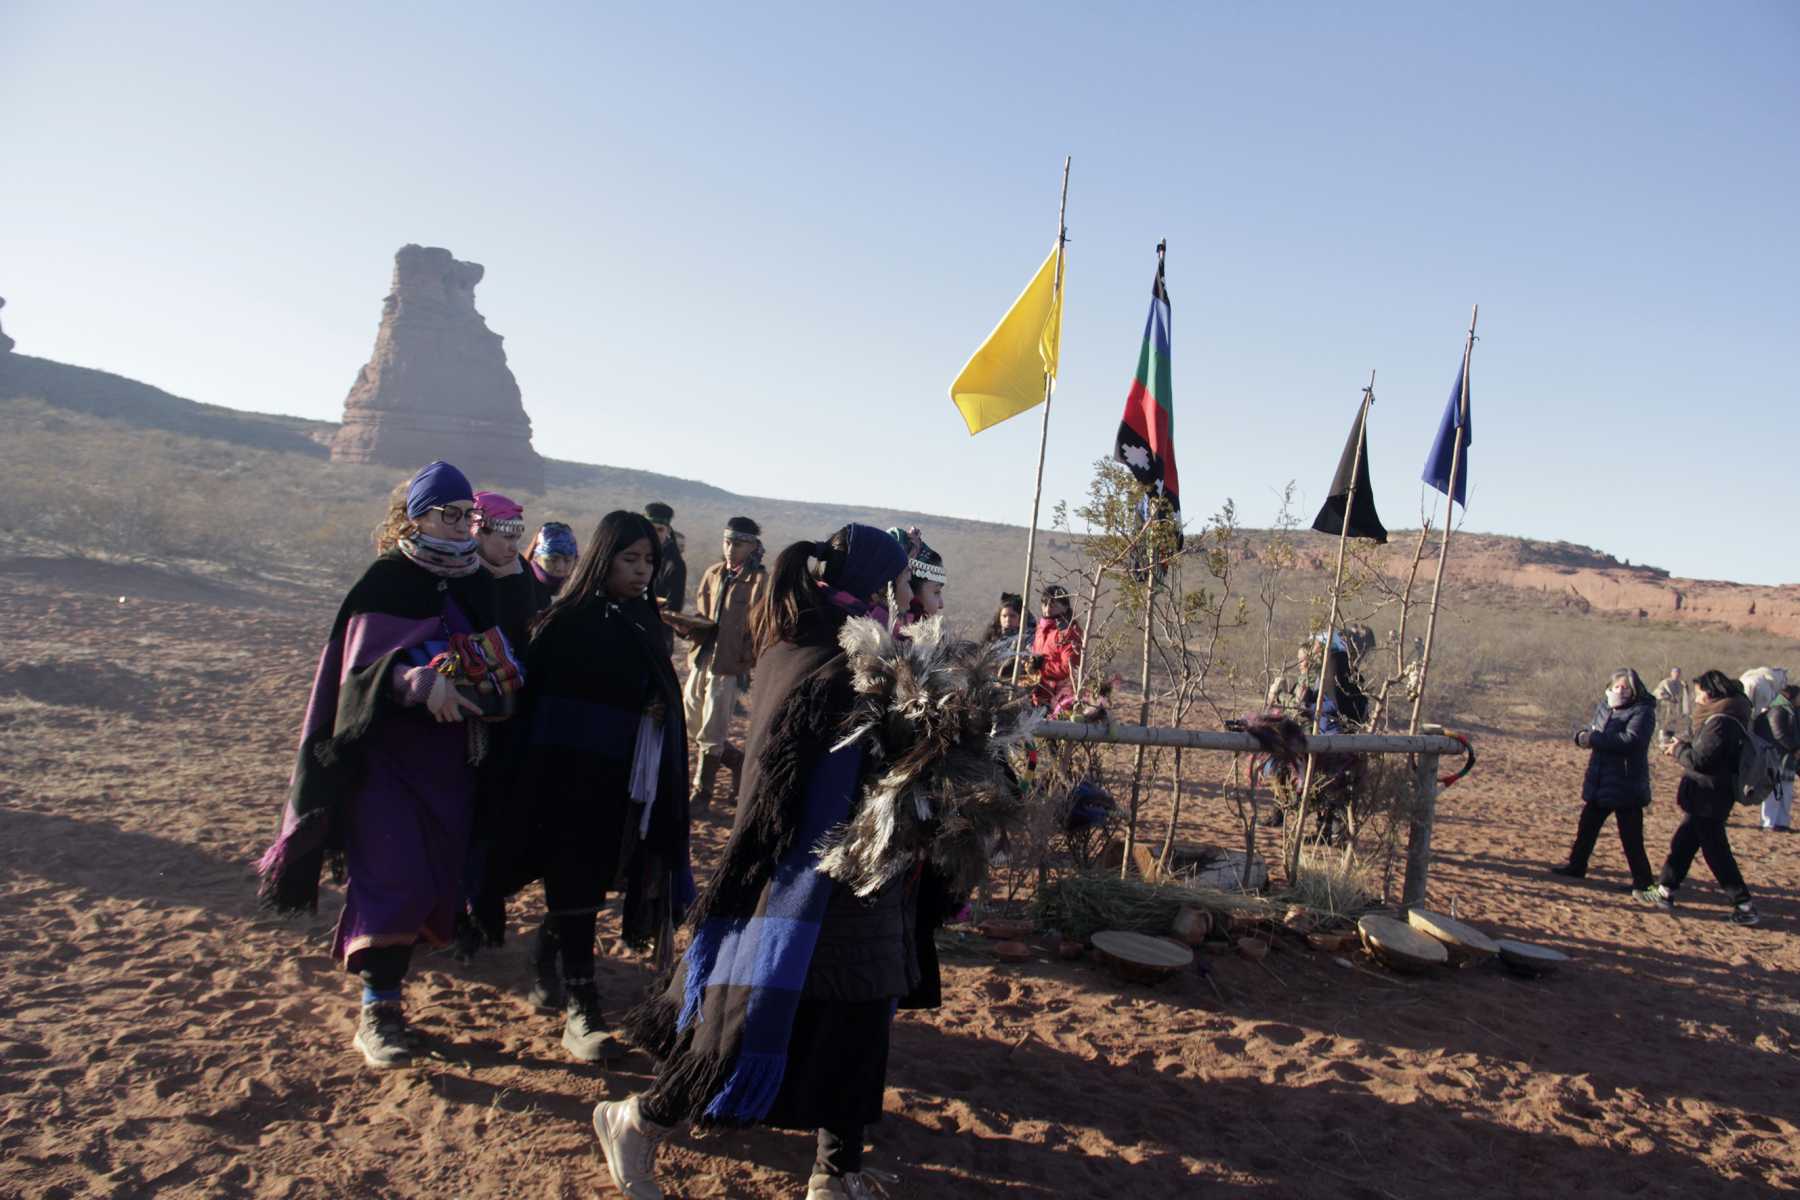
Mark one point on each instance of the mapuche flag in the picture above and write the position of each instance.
(1352, 464)
(1007, 374)
(1146, 441)
(1455, 422)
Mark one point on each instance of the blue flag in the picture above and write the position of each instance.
(1437, 463)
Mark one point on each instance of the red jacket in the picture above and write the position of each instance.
(1060, 648)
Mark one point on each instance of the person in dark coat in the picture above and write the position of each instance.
(779, 1011)
(1618, 776)
(670, 585)
(497, 525)
(600, 786)
(1707, 794)
(1780, 723)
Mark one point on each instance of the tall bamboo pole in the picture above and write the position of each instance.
(1437, 583)
(1037, 491)
(1337, 583)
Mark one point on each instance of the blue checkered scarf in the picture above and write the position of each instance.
(757, 965)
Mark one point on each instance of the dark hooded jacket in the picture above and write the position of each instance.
(1709, 764)
(1618, 771)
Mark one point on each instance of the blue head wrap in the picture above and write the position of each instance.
(872, 561)
(556, 538)
(435, 485)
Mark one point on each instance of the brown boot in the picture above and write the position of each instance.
(732, 759)
(706, 773)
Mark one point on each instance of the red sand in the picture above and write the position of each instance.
(159, 1038)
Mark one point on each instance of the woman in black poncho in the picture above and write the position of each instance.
(778, 1012)
(601, 789)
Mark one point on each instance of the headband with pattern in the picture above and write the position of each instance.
(930, 572)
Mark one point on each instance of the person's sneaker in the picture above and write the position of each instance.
(629, 1140)
(1657, 896)
(1569, 871)
(1745, 914)
(585, 1035)
(383, 1037)
(857, 1185)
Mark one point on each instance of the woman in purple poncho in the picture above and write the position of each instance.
(384, 784)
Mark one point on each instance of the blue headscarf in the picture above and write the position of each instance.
(436, 484)
(556, 538)
(871, 562)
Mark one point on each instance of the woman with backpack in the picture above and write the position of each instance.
(1618, 777)
(1706, 795)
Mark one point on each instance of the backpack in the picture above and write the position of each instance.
(1758, 766)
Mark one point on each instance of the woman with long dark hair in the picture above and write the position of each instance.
(384, 786)
(601, 790)
(1706, 795)
(1617, 783)
(778, 1013)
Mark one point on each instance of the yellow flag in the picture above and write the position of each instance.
(1006, 375)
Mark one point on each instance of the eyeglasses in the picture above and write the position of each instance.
(452, 516)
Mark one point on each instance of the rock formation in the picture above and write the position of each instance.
(6, 343)
(438, 385)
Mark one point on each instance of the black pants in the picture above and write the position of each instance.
(384, 967)
(839, 1151)
(1631, 838)
(1706, 835)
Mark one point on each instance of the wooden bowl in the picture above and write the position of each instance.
(1464, 942)
(1140, 958)
(1398, 945)
(1523, 958)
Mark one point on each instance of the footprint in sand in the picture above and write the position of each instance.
(1281, 1035)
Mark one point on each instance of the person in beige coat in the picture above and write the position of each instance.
(722, 655)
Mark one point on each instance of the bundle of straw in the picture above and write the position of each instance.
(1080, 905)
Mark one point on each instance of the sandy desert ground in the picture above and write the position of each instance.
(159, 1037)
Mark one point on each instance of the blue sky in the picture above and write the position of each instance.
(752, 245)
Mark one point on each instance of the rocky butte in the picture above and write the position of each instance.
(438, 385)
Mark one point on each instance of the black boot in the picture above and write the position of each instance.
(585, 1034)
(546, 992)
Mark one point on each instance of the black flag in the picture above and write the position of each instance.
(1364, 521)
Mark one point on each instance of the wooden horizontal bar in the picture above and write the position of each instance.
(1220, 739)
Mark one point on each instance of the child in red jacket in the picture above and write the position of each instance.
(1056, 649)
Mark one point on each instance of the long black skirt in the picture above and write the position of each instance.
(837, 1065)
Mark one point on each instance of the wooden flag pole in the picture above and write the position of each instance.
(1425, 783)
(1437, 583)
(1337, 583)
(1037, 492)
(1137, 765)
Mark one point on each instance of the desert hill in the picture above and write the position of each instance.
(984, 557)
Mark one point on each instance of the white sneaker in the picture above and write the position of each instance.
(629, 1141)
